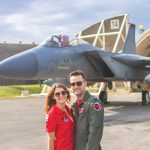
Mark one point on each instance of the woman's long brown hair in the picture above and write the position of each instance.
(50, 101)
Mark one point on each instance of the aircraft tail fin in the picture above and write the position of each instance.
(129, 45)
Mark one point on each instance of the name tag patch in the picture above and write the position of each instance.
(65, 119)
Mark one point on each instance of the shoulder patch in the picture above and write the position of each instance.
(97, 105)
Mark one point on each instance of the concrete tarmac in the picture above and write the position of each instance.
(126, 125)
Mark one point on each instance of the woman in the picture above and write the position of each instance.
(59, 121)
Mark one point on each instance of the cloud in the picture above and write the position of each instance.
(35, 20)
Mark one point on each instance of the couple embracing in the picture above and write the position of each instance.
(79, 127)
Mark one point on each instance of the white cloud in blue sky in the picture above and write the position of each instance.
(34, 20)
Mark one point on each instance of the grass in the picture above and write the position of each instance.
(15, 90)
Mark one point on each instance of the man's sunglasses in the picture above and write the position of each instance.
(79, 83)
(57, 94)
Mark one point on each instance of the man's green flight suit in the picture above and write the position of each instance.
(89, 117)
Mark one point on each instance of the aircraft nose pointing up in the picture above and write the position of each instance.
(20, 66)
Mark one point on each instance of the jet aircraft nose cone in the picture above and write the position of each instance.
(20, 66)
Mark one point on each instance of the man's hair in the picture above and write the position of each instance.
(77, 73)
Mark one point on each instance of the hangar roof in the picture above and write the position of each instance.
(143, 43)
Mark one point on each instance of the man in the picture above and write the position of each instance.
(89, 114)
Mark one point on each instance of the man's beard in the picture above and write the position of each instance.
(79, 94)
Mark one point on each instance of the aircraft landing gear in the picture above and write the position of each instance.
(145, 97)
(103, 97)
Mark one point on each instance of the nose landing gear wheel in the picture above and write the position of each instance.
(145, 97)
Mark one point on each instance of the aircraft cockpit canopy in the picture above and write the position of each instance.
(56, 41)
(77, 41)
(60, 41)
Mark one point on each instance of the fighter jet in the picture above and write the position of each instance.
(54, 59)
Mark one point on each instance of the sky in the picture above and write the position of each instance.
(34, 20)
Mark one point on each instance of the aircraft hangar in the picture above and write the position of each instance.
(110, 34)
(143, 43)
